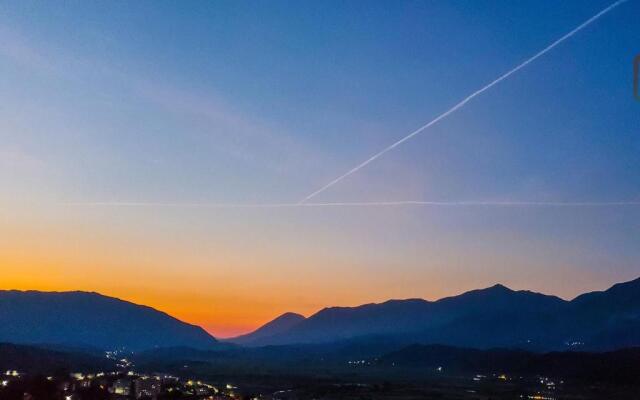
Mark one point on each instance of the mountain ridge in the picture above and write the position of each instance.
(497, 315)
(91, 319)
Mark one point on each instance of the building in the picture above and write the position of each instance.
(121, 387)
(147, 387)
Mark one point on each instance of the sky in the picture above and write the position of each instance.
(124, 126)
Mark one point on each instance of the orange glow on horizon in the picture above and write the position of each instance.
(233, 288)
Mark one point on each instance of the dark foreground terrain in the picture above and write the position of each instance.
(325, 372)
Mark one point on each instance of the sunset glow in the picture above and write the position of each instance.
(123, 125)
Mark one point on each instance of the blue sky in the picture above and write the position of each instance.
(260, 102)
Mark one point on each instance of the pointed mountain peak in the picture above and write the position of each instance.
(498, 287)
(278, 325)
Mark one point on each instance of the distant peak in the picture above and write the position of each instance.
(289, 316)
(499, 287)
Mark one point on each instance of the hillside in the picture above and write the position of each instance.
(34, 360)
(493, 317)
(274, 327)
(93, 320)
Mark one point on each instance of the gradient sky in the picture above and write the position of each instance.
(264, 102)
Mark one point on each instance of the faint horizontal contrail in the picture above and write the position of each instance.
(370, 204)
(464, 101)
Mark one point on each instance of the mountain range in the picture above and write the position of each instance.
(493, 317)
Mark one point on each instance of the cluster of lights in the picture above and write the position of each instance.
(358, 362)
(77, 376)
(121, 386)
(10, 373)
(548, 383)
(123, 363)
(540, 397)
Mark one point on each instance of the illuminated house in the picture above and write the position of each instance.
(147, 387)
(121, 387)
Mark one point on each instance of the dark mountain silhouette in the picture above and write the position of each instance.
(608, 319)
(92, 320)
(486, 318)
(276, 326)
(493, 317)
(416, 318)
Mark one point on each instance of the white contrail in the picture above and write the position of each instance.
(475, 203)
(368, 204)
(464, 101)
